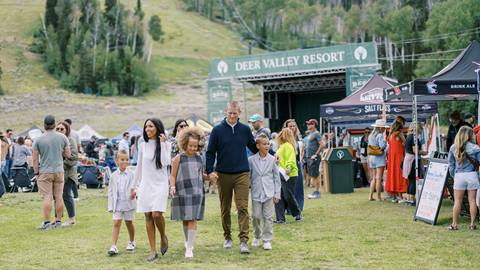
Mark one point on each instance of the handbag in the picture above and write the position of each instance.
(374, 150)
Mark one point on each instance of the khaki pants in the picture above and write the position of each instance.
(227, 185)
(263, 211)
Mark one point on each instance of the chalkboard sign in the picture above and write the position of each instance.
(431, 196)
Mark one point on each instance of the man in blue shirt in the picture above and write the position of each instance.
(227, 145)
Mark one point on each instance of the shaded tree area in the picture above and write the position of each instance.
(415, 38)
(97, 51)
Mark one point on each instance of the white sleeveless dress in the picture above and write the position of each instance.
(152, 183)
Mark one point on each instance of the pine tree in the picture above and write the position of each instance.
(64, 10)
(110, 12)
(155, 28)
(51, 17)
(138, 10)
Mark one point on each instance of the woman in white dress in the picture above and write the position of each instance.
(151, 179)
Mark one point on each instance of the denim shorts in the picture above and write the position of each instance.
(376, 161)
(466, 181)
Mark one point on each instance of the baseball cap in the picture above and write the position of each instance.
(254, 118)
(49, 120)
(312, 121)
(468, 115)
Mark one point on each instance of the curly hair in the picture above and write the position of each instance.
(191, 132)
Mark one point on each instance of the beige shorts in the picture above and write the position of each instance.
(124, 215)
(51, 184)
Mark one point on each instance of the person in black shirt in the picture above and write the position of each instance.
(365, 174)
(409, 162)
(456, 123)
(91, 150)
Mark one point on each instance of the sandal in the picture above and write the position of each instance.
(453, 227)
(472, 227)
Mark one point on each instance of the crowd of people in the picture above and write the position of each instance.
(245, 163)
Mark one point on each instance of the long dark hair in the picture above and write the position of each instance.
(158, 148)
(177, 123)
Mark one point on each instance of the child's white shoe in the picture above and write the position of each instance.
(256, 242)
(189, 252)
(113, 251)
(267, 245)
(131, 246)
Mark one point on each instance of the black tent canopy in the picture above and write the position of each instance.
(366, 105)
(458, 80)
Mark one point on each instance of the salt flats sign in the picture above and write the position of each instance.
(361, 54)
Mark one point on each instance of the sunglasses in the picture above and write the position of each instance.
(183, 126)
(60, 129)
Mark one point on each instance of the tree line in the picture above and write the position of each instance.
(414, 38)
(98, 51)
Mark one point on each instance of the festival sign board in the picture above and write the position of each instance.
(219, 91)
(356, 78)
(295, 61)
(431, 196)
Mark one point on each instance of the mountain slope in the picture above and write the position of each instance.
(182, 62)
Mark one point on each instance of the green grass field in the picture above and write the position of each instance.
(338, 232)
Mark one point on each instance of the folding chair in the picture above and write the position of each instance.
(21, 179)
(90, 176)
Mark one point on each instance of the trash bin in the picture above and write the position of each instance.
(340, 170)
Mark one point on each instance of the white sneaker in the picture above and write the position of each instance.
(131, 246)
(113, 251)
(244, 248)
(267, 245)
(227, 244)
(256, 242)
(189, 252)
(45, 226)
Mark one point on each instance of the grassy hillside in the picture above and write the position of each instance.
(182, 62)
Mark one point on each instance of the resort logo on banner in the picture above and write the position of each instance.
(222, 67)
(372, 96)
(360, 54)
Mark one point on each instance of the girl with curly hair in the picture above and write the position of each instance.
(186, 185)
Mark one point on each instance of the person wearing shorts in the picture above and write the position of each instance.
(48, 152)
(121, 201)
(313, 149)
(463, 160)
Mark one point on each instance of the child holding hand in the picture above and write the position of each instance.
(186, 185)
(121, 202)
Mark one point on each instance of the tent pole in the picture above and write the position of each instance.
(336, 133)
(478, 99)
(321, 126)
(328, 134)
(439, 137)
(415, 134)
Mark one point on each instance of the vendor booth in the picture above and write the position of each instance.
(367, 104)
(457, 81)
(363, 107)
